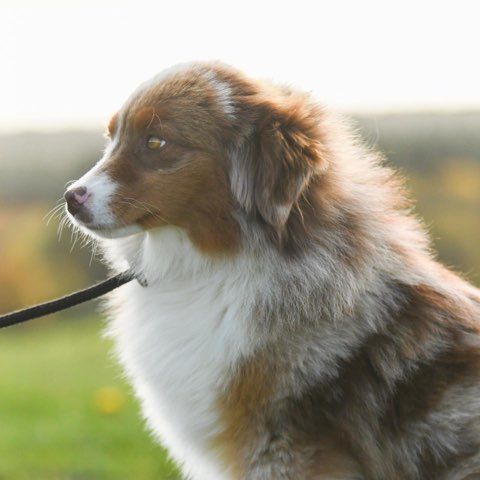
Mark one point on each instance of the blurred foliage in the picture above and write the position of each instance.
(36, 264)
(449, 201)
(440, 157)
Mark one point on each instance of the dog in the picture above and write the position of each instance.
(295, 323)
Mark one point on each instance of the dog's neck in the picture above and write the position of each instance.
(167, 253)
(337, 289)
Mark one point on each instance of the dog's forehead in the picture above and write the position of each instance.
(142, 118)
(180, 86)
(160, 100)
(191, 90)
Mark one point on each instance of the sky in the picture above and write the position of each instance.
(71, 64)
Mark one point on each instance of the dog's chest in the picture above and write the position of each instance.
(178, 341)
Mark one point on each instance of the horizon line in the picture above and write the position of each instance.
(97, 125)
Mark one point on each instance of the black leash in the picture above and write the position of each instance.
(68, 301)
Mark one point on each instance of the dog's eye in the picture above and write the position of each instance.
(155, 143)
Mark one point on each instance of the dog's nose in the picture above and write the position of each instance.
(75, 198)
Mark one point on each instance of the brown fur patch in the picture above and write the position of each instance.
(112, 124)
(143, 118)
(329, 461)
(241, 408)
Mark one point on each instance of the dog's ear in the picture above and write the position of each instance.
(274, 163)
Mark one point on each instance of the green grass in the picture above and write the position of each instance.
(66, 412)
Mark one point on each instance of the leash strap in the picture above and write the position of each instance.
(67, 301)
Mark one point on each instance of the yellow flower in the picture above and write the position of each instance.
(108, 400)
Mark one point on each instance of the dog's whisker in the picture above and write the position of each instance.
(141, 207)
(52, 212)
(73, 238)
(147, 206)
(56, 216)
(61, 226)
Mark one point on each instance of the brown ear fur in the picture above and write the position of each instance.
(275, 164)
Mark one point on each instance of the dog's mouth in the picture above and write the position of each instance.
(103, 230)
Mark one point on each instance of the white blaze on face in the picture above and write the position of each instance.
(101, 191)
(100, 188)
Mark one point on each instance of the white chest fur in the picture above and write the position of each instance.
(177, 340)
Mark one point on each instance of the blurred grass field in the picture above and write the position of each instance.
(66, 412)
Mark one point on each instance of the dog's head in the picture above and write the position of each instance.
(192, 147)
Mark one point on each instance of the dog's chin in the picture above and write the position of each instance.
(107, 231)
(115, 232)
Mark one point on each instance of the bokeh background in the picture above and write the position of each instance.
(406, 73)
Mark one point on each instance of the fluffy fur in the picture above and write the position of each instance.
(295, 324)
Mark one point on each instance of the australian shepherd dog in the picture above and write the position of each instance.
(294, 323)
